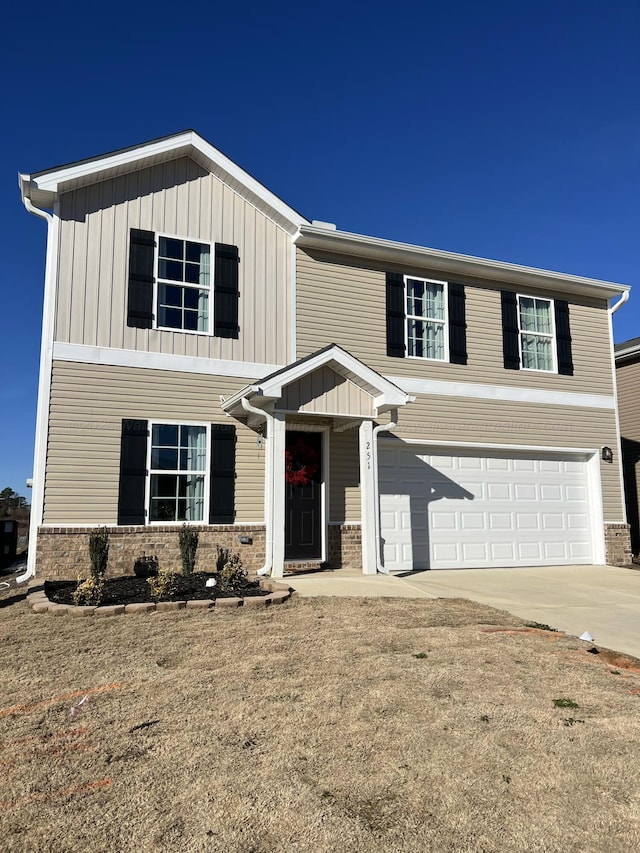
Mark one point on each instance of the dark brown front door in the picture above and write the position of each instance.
(303, 509)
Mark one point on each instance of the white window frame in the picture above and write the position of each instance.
(207, 472)
(158, 281)
(552, 334)
(444, 323)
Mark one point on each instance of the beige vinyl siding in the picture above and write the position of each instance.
(359, 326)
(628, 379)
(344, 483)
(325, 392)
(461, 419)
(181, 199)
(88, 403)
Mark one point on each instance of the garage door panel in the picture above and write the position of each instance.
(470, 510)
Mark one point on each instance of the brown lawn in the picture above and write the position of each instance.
(321, 725)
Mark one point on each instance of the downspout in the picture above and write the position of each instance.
(376, 431)
(269, 485)
(44, 389)
(624, 296)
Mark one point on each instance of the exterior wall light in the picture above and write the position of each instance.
(607, 454)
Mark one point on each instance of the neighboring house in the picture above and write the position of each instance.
(628, 379)
(211, 356)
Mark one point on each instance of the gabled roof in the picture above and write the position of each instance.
(627, 350)
(449, 264)
(386, 395)
(42, 188)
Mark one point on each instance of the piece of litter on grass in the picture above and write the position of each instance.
(78, 708)
(586, 637)
(210, 582)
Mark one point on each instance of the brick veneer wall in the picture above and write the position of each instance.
(345, 546)
(63, 552)
(617, 544)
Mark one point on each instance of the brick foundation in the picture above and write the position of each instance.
(345, 546)
(63, 552)
(617, 544)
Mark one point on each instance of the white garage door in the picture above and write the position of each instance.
(476, 509)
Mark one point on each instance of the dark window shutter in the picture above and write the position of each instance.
(563, 337)
(133, 471)
(395, 315)
(222, 484)
(141, 261)
(510, 331)
(226, 294)
(457, 324)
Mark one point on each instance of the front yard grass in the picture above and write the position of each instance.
(323, 725)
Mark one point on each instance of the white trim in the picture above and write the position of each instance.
(334, 523)
(452, 264)
(44, 379)
(176, 524)
(293, 306)
(596, 509)
(551, 335)
(160, 361)
(444, 323)
(610, 311)
(157, 281)
(177, 472)
(482, 445)
(182, 144)
(515, 394)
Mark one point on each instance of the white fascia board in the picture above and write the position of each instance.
(483, 445)
(185, 143)
(453, 263)
(160, 361)
(508, 393)
(628, 352)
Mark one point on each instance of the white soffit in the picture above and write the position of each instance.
(452, 263)
(43, 187)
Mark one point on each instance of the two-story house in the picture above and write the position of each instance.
(306, 395)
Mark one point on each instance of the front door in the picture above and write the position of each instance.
(303, 489)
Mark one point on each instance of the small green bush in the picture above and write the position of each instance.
(88, 592)
(188, 539)
(146, 566)
(163, 585)
(231, 572)
(99, 552)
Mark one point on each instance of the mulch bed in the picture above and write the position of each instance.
(134, 590)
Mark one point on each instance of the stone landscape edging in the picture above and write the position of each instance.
(39, 603)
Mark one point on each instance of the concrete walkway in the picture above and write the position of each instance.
(604, 600)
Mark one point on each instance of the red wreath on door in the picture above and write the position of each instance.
(300, 463)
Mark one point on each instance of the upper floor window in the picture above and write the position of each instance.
(537, 338)
(183, 284)
(426, 308)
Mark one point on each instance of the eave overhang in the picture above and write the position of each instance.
(386, 395)
(627, 351)
(43, 188)
(451, 264)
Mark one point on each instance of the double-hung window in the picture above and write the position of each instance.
(177, 472)
(426, 318)
(537, 333)
(183, 285)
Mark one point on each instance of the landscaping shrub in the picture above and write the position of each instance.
(230, 570)
(88, 592)
(146, 566)
(99, 552)
(188, 539)
(163, 585)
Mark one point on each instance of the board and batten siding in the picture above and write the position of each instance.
(324, 282)
(325, 392)
(176, 198)
(344, 483)
(88, 403)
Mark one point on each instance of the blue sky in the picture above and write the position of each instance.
(500, 129)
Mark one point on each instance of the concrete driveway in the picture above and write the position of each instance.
(604, 600)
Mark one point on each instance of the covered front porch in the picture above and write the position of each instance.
(320, 481)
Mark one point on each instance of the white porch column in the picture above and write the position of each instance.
(278, 515)
(368, 506)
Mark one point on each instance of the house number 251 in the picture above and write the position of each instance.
(368, 446)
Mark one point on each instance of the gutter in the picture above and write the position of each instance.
(44, 378)
(611, 311)
(376, 524)
(269, 486)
